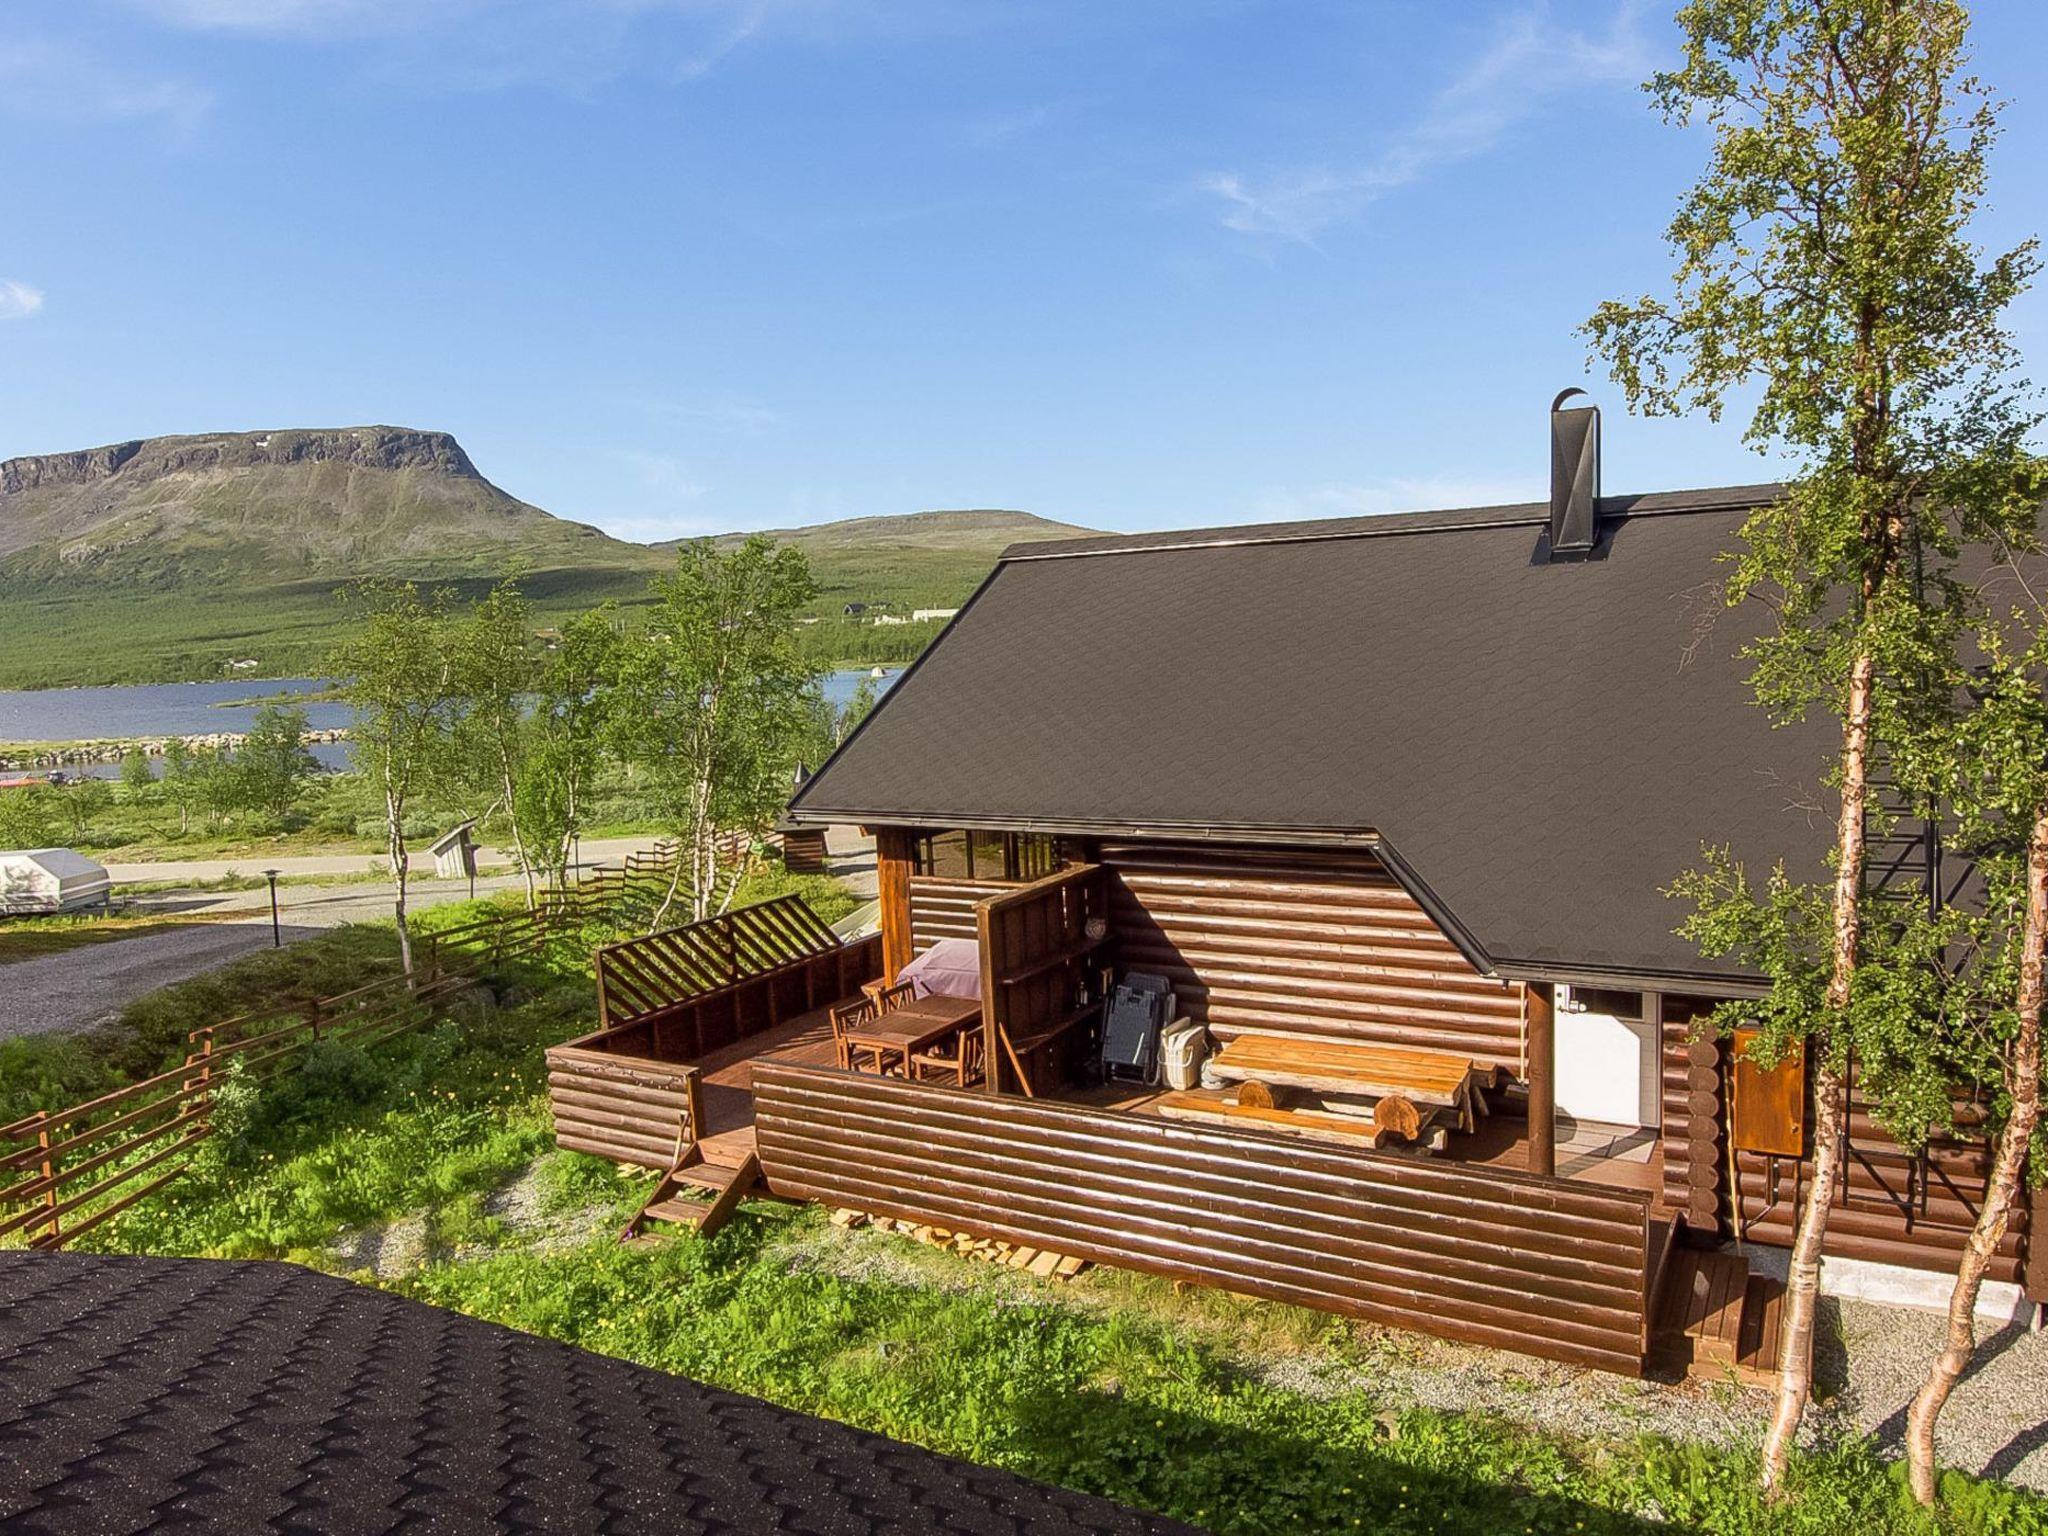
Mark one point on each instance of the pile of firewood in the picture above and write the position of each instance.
(987, 1250)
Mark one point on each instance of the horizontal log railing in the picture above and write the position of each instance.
(620, 1092)
(1485, 1256)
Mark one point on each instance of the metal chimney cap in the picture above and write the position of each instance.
(1574, 477)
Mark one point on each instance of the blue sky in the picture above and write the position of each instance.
(676, 266)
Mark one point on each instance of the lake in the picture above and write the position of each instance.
(201, 709)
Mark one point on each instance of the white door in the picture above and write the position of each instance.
(1607, 1057)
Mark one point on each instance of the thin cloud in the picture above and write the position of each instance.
(45, 79)
(17, 300)
(1528, 62)
(572, 45)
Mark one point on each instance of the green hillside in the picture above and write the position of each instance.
(166, 559)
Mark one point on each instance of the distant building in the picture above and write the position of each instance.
(927, 615)
(855, 610)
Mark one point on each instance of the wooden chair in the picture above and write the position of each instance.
(846, 1016)
(958, 1059)
(889, 999)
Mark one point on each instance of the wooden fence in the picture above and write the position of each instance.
(1482, 1255)
(661, 975)
(65, 1171)
(72, 1169)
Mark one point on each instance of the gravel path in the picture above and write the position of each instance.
(1996, 1424)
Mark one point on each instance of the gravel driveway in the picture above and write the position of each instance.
(78, 988)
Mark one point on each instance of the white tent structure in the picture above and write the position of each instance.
(50, 880)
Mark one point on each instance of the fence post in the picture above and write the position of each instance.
(48, 1170)
(204, 1081)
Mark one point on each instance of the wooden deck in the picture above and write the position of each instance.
(1610, 1155)
(726, 1086)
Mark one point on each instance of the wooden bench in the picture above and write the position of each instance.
(1315, 1124)
(1430, 1080)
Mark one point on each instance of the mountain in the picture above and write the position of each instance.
(173, 558)
(985, 531)
(227, 507)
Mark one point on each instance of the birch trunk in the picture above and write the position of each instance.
(2008, 1173)
(394, 849)
(1802, 1288)
(512, 816)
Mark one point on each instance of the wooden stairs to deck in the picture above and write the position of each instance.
(671, 1202)
(689, 1170)
(1714, 1319)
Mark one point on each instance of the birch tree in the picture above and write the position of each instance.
(1825, 269)
(397, 672)
(712, 701)
(1992, 773)
(495, 661)
(575, 697)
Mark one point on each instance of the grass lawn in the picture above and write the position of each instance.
(432, 1160)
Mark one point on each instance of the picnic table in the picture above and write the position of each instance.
(1410, 1076)
(913, 1026)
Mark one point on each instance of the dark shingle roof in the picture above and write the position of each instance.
(1542, 747)
(173, 1394)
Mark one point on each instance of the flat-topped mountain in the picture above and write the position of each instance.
(203, 509)
(168, 558)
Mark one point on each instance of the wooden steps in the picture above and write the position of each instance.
(728, 1184)
(1715, 1319)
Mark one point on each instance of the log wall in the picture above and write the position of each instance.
(942, 907)
(1886, 1209)
(622, 1107)
(1483, 1255)
(1297, 942)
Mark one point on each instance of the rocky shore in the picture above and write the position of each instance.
(26, 756)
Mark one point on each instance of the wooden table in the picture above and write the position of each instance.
(913, 1026)
(1438, 1079)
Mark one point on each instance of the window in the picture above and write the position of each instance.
(964, 855)
(1608, 1000)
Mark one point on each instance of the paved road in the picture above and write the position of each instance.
(605, 850)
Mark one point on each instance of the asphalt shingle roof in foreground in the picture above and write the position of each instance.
(190, 1394)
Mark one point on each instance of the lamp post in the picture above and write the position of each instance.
(276, 937)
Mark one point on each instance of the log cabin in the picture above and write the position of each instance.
(1410, 786)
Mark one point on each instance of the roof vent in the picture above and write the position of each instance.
(1574, 476)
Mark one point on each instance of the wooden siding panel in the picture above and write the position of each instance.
(942, 907)
(1295, 942)
(1482, 1255)
(1879, 1212)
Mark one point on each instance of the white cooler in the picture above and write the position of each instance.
(1183, 1046)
